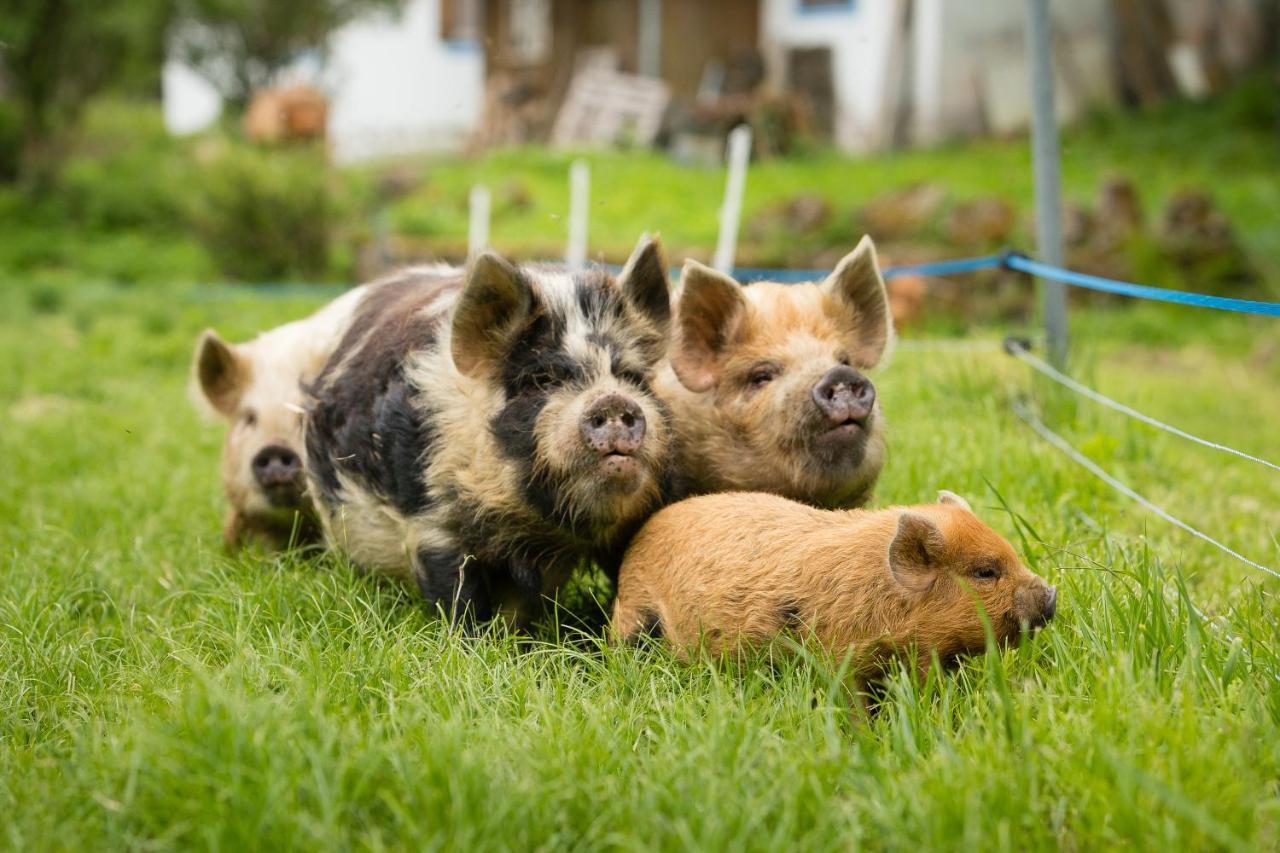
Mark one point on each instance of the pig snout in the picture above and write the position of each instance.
(275, 466)
(1036, 604)
(613, 425)
(844, 395)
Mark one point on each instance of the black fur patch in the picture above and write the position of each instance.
(456, 585)
(598, 297)
(649, 630)
(362, 418)
(536, 366)
(537, 357)
(790, 616)
(651, 625)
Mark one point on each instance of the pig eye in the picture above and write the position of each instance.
(629, 374)
(762, 375)
(987, 573)
(551, 371)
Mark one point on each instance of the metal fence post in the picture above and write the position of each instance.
(1048, 176)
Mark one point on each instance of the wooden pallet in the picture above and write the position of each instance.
(604, 107)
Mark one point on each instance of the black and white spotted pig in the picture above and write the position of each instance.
(484, 433)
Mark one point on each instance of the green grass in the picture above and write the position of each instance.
(156, 693)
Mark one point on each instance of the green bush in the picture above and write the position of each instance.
(266, 215)
(125, 171)
(1254, 104)
(130, 190)
(10, 141)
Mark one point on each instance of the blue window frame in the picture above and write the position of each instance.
(825, 7)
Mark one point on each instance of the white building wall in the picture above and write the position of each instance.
(394, 86)
(190, 103)
(398, 88)
(984, 81)
(859, 35)
(965, 61)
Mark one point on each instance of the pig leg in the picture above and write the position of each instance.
(528, 591)
(635, 620)
(455, 583)
(240, 531)
(233, 530)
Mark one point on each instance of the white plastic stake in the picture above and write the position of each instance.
(731, 210)
(478, 228)
(575, 255)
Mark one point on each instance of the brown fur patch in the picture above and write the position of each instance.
(742, 567)
(743, 374)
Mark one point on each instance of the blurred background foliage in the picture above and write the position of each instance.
(93, 187)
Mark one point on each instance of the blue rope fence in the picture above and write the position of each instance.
(1021, 263)
(1008, 260)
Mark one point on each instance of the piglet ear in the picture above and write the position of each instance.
(915, 554)
(495, 301)
(219, 372)
(709, 311)
(952, 499)
(645, 285)
(860, 293)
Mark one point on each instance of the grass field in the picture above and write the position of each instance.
(158, 694)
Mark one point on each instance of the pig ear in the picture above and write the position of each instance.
(493, 304)
(857, 286)
(952, 499)
(710, 308)
(915, 554)
(645, 286)
(219, 373)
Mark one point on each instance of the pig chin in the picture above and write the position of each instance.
(267, 511)
(838, 452)
(609, 484)
(288, 496)
(840, 448)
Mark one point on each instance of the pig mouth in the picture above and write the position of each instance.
(284, 495)
(842, 443)
(620, 470)
(850, 428)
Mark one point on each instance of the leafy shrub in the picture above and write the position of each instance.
(125, 171)
(266, 215)
(1254, 104)
(10, 141)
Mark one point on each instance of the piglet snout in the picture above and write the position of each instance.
(614, 424)
(1035, 605)
(276, 465)
(844, 395)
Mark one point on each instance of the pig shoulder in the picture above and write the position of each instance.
(363, 422)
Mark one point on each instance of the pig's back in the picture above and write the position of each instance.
(730, 563)
(364, 426)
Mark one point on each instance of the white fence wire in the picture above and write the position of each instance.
(1018, 351)
(1092, 467)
